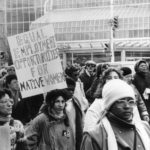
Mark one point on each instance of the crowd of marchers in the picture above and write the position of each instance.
(102, 108)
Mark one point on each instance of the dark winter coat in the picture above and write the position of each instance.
(141, 81)
(87, 81)
(94, 91)
(28, 108)
(97, 139)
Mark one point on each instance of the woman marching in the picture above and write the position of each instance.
(51, 129)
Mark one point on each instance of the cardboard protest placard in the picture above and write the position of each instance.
(37, 62)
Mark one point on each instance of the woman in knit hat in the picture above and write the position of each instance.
(117, 128)
(95, 108)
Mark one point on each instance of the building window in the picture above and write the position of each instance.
(20, 15)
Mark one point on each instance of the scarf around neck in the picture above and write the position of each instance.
(112, 143)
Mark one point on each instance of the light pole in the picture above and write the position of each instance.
(111, 31)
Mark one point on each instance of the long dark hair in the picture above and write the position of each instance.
(50, 101)
(54, 94)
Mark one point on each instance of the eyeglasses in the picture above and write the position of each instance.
(7, 101)
(123, 102)
(91, 65)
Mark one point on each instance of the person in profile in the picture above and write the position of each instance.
(141, 80)
(11, 130)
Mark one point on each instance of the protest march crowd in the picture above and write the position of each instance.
(102, 108)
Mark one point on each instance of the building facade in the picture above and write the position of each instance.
(3, 45)
(16, 17)
(83, 27)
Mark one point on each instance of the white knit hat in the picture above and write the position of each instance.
(115, 90)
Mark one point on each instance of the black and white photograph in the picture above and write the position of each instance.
(74, 74)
